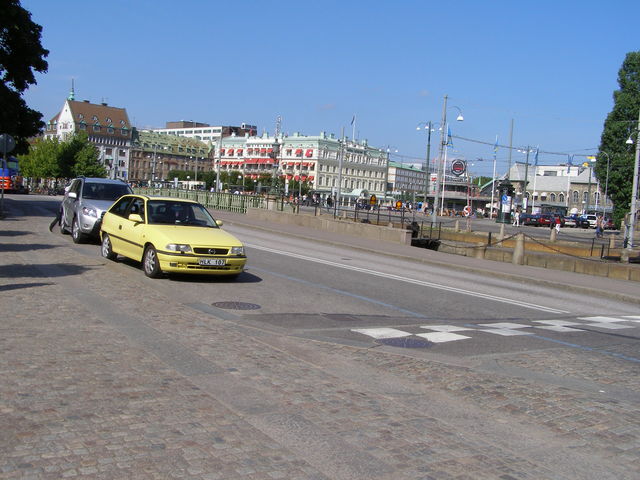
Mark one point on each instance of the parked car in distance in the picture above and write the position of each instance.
(569, 221)
(589, 221)
(170, 235)
(85, 201)
(608, 224)
(529, 219)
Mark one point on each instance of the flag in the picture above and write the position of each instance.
(449, 139)
(535, 159)
(495, 147)
(353, 120)
(569, 163)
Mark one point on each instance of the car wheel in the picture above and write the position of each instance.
(107, 249)
(150, 263)
(76, 234)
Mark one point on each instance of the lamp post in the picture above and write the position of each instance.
(606, 183)
(429, 128)
(634, 190)
(443, 144)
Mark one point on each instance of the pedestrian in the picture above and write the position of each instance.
(516, 218)
(599, 226)
(329, 203)
(57, 220)
(558, 223)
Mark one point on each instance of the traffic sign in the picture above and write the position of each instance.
(458, 167)
(7, 143)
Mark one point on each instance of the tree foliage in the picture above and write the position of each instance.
(21, 55)
(616, 157)
(51, 158)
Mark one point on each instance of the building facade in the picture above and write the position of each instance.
(107, 127)
(312, 159)
(205, 132)
(574, 188)
(154, 155)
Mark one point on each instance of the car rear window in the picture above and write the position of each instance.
(104, 191)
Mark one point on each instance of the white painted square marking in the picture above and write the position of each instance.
(382, 332)
(601, 319)
(504, 325)
(505, 332)
(441, 337)
(560, 328)
(609, 326)
(445, 328)
(557, 323)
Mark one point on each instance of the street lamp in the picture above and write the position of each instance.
(443, 144)
(429, 128)
(386, 172)
(606, 184)
(634, 190)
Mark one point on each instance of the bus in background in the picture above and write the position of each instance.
(10, 178)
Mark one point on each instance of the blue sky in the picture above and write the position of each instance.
(550, 66)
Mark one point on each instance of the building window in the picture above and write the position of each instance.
(585, 197)
(553, 197)
(561, 198)
(110, 130)
(576, 196)
(96, 128)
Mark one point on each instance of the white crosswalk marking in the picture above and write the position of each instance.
(441, 337)
(382, 332)
(446, 333)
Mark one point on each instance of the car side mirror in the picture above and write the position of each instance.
(73, 195)
(219, 223)
(135, 217)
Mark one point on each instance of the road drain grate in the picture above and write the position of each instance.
(236, 305)
(405, 342)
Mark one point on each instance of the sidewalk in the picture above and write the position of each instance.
(627, 291)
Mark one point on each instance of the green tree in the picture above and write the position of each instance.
(42, 159)
(621, 123)
(50, 158)
(21, 54)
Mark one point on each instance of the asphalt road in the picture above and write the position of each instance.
(324, 362)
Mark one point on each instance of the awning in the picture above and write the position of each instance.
(289, 177)
(249, 150)
(310, 177)
(304, 177)
(299, 151)
(268, 160)
(305, 164)
(296, 178)
(240, 150)
(270, 150)
(309, 152)
(230, 152)
(263, 150)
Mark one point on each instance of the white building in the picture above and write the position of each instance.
(108, 128)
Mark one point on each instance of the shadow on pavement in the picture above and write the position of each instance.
(13, 247)
(17, 286)
(13, 233)
(244, 277)
(45, 270)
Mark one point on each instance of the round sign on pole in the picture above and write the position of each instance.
(458, 167)
(467, 210)
(7, 143)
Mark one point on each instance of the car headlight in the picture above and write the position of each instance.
(89, 212)
(179, 247)
(237, 250)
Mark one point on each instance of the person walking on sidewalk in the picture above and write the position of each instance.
(599, 225)
(516, 218)
(558, 223)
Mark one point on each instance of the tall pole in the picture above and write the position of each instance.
(586, 211)
(524, 190)
(510, 148)
(493, 179)
(153, 168)
(634, 190)
(218, 183)
(434, 218)
(340, 161)
(426, 164)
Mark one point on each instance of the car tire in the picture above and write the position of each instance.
(150, 263)
(63, 228)
(106, 249)
(76, 234)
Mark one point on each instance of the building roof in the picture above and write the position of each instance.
(100, 114)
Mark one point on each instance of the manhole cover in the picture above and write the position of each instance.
(405, 342)
(236, 305)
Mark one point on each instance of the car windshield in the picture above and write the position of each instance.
(170, 212)
(104, 191)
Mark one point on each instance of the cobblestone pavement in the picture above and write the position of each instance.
(103, 378)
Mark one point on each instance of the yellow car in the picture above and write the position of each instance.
(169, 235)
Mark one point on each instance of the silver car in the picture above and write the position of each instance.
(85, 200)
